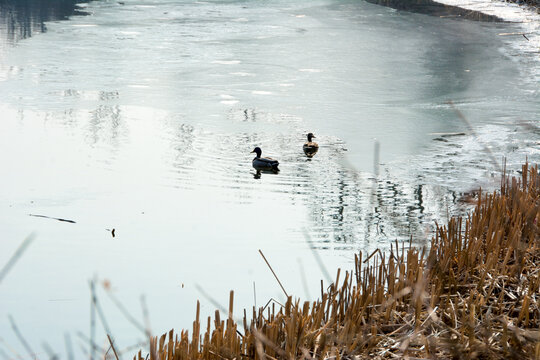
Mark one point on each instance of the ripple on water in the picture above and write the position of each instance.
(343, 206)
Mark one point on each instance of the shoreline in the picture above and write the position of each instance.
(507, 10)
(526, 16)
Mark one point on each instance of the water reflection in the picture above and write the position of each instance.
(105, 121)
(350, 214)
(20, 19)
(345, 208)
(258, 173)
(183, 145)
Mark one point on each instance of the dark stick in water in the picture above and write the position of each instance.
(53, 218)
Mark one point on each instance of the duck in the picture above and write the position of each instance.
(310, 147)
(264, 163)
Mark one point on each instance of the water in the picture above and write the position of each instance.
(141, 115)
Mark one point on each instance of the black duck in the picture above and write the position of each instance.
(264, 163)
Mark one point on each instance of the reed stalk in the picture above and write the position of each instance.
(472, 295)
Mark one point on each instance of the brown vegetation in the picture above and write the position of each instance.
(472, 295)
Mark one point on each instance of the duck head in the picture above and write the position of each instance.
(310, 136)
(257, 151)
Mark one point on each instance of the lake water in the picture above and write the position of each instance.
(140, 116)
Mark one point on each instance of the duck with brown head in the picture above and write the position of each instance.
(310, 147)
(264, 163)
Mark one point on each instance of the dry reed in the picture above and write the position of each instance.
(472, 295)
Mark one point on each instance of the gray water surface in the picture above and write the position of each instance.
(141, 115)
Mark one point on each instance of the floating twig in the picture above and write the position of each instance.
(53, 218)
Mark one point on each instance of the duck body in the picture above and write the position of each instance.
(264, 163)
(310, 147)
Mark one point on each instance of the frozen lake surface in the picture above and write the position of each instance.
(140, 116)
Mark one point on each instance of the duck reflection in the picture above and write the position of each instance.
(258, 173)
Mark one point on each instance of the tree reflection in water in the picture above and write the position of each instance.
(346, 208)
(20, 19)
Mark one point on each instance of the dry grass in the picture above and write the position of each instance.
(473, 295)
